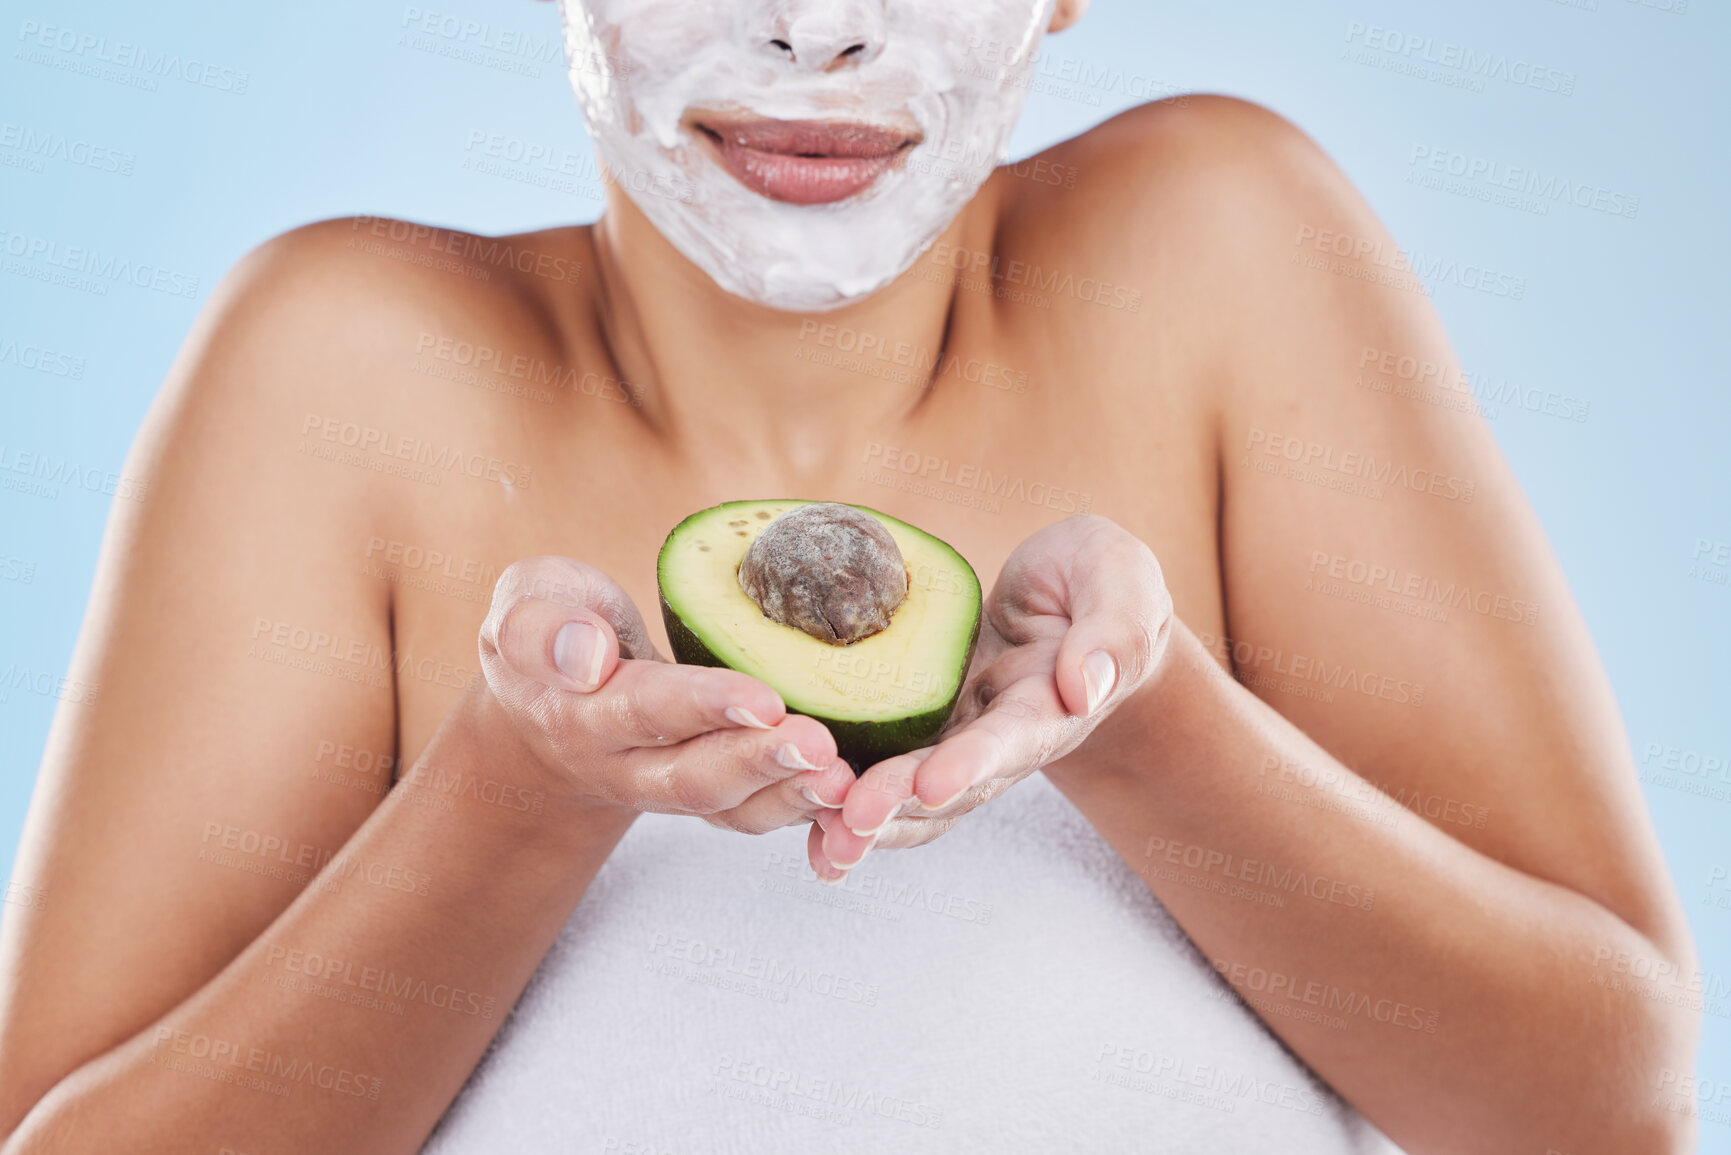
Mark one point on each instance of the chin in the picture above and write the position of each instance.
(805, 258)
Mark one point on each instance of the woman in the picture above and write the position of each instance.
(1344, 749)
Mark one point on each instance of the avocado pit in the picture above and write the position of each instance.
(828, 570)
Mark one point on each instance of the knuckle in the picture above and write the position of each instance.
(747, 774)
(694, 794)
(630, 718)
(551, 579)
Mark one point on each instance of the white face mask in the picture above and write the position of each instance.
(683, 99)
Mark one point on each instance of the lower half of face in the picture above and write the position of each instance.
(803, 154)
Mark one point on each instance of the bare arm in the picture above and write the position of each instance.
(236, 950)
(1419, 716)
(351, 1023)
(1462, 1004)
(1390, 797)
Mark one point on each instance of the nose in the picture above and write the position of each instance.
(825, 35)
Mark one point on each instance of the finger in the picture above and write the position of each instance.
(904, 832)
(1120, 617)
(569, 649)
(717, 771)
(562, 581)
(659, 704)
(881, 793)
(789, 802)
(821, 866)
(1024, 728)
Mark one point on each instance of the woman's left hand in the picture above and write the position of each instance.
(1075, 623)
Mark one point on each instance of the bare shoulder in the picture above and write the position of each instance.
(1193, 210)
(1187, 175)
(357, 331)
(1387, 586)
(364, 293)
(233, 623)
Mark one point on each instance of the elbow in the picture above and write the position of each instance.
(1653, 1096)
(1661, 1113)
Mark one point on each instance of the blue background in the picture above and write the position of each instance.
(346, 111)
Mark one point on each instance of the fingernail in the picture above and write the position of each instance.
(788, 755)
(857, 861)
(811, 796)
(925, 807)
(836, 881)
(872, 833)
(1099, 675)
(577, 652)
(740, 716)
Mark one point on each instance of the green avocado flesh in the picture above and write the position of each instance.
(880, 696)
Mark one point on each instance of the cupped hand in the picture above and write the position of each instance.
(1075, 623)
(611, 722)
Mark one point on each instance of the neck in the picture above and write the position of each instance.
(802, 384)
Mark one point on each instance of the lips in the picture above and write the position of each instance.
(805, 162)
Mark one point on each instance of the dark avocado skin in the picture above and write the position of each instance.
(861, 744)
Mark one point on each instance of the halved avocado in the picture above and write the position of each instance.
(880, 696)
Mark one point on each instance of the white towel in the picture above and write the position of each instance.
(1011, 987)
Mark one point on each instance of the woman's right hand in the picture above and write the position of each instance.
(567, 657)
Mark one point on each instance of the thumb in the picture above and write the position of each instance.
(1120, 618)
(557, 645)
(560, 623)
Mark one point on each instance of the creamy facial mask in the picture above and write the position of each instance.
(803, 153)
